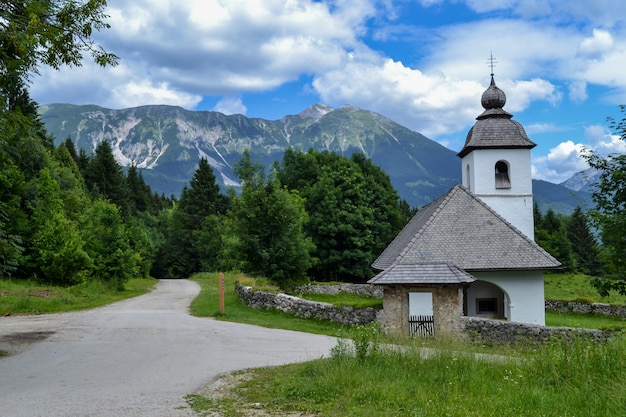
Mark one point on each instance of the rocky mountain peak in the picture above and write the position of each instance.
(582, 180)
(316, 111)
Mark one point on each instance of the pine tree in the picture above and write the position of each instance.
(584, 246)
(139, 193)
(186, 226)
(552, 236)
(104, 178)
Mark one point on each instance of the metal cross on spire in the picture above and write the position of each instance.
(492, 62)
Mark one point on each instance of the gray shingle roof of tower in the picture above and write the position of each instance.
(460, 229)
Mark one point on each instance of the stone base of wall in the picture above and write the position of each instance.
(347, 316)
(506, 332)
(586, 308)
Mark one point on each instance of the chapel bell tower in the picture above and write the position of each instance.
(496, 162)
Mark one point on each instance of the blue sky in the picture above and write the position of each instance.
(423, 64)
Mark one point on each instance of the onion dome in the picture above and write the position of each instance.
(493, 97)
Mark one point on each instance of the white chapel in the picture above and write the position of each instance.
(472, 252)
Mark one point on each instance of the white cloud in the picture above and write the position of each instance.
(565, 159)
(521, 93)
(603, 142)
(135, 94)
(220, 47)
(578, 91)
(432, 104)
(561, 163)
(231, 105)
(597, 45)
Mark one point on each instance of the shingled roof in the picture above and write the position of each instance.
(460, 229)
(422, 273)
(494, 128)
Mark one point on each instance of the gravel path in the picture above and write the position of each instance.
(138, 357)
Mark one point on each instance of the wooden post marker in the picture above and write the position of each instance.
(221, 293)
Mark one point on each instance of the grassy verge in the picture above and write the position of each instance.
(207, 305)
(27, 297)
(560, 379)
(585, 321)
(572, 287)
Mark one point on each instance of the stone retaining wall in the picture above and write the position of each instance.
(505, 332)
(347, 316)
(586, 308)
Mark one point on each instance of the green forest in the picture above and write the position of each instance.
(68, 217)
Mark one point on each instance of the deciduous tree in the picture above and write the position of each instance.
(609, 214)
(269, 223)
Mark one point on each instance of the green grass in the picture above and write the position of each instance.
(585, 321)
(556, 380)
(577, 287)
(207, 305)
(27, 297)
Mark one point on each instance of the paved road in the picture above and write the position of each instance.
(138, 357)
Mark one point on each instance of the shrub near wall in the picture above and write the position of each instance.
(347, 316)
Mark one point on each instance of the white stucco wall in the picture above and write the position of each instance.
(525, 294)
(515, 204)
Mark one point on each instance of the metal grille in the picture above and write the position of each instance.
(422, 325)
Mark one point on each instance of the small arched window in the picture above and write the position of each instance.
(502, 175)
(468, 179)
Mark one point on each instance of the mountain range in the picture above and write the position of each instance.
(166, 143)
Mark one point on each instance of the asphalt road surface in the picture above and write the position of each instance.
(138, 357)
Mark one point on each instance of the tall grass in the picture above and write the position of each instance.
(561, 379)
(585, 321)
(28, 297)
(577, 287)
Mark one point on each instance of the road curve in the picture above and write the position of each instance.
(137, 357)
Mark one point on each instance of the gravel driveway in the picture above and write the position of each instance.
(138, 357)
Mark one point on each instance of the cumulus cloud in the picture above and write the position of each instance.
(561, 163)
(565, 159)
(133, 94)
(221, 47)
(597, 45)
(603, 142)
(430, 103)
(231, 105)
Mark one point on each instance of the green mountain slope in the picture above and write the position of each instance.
(167, 142)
